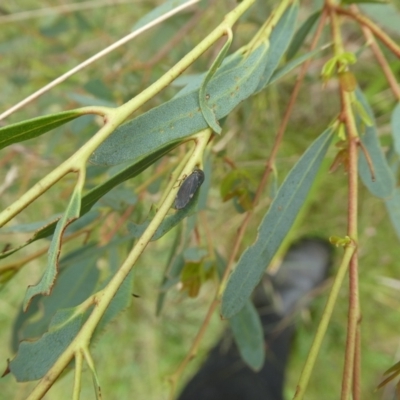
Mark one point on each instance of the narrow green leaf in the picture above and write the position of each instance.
(46, 283)
(249, 336)
(301, 34)
(279, 41)
(176, 120)
(76, 282)
(35, 127)
(274, 227)
(384, 183)
(34, 359)
(208, 113)
(395, 122)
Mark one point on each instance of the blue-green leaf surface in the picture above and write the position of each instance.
(395, 122)
(181, 117)
(34, 359)
(274, 227)
(249, 336)
(76, 282)
(384, 183)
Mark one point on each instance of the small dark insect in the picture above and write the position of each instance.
(189, 188)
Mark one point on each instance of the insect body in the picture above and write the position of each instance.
(189, 188)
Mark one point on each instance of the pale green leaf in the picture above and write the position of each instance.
(34, 359)
(249, 336)
(46, 283)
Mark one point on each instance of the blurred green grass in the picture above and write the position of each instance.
(138, 351)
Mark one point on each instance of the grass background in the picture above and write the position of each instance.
(138, 351)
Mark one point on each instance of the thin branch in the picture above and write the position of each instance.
(357, 366)
(348, 381)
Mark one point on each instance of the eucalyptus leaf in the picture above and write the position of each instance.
(35, 127)
(384, 183)
(246, 327)
(249, 335)
(176, 120)
(47, 281)
(274, 227)
(76, 282)
(34, 359)
(301, 34)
